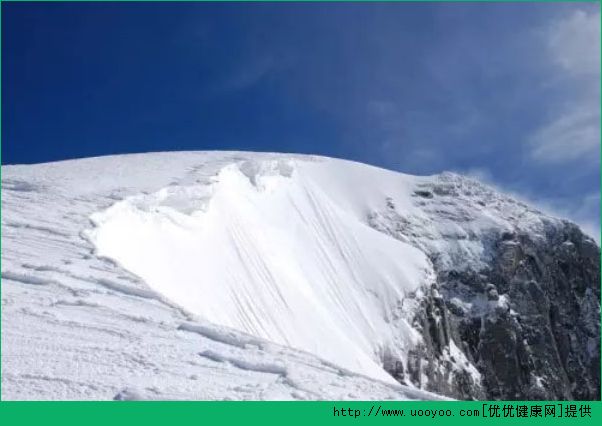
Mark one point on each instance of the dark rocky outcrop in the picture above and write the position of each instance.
(527, 315)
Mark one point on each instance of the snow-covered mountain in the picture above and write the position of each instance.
(211, 275)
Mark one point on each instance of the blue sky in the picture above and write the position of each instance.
(507, 92)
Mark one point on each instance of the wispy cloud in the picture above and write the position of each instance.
(575, 42)
(573, 133)
(249, 73)
(516, 105)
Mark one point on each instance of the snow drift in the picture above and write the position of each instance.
(278, 248)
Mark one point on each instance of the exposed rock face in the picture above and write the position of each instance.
(515, 311)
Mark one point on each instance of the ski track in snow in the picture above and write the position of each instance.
(76, 325)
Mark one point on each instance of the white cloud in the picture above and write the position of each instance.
(573, 44)
(574, 135)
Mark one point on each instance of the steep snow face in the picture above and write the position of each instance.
(79, 326)
(278, 248)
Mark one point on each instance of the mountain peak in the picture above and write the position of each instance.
(397, 280)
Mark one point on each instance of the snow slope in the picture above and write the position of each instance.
(201, 276)
(212, 275)
(261, 246)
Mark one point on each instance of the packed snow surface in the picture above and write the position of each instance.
(278, 248)
(225, 275)
(201, 276)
